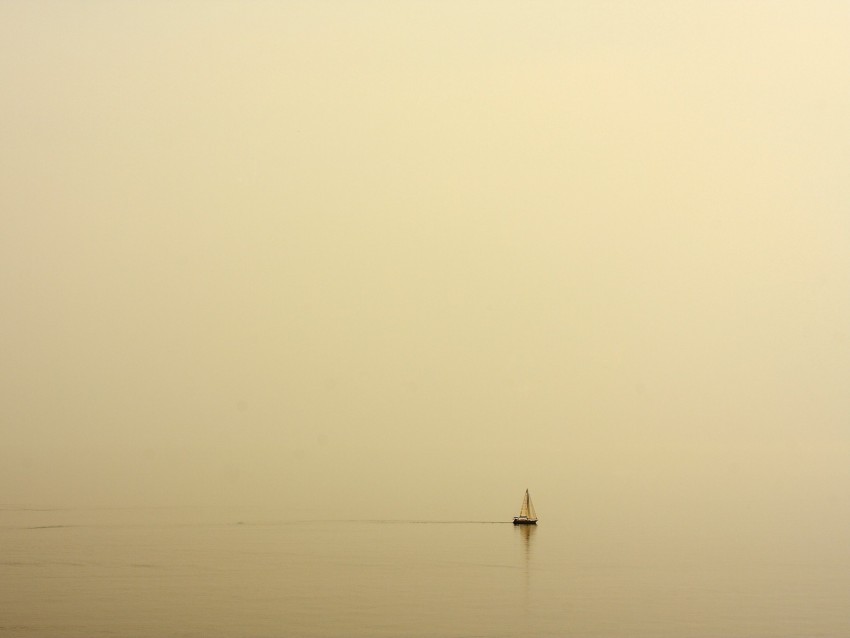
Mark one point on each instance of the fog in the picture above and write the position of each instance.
(406, 259)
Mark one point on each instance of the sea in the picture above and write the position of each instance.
(251, 573)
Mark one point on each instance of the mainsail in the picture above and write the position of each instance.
(527, 509)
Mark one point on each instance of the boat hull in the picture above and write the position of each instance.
(524, 521)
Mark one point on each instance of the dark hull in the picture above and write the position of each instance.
(525, 521)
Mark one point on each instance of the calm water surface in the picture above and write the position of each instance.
(226, 573)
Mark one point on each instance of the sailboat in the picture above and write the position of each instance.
(527, 515)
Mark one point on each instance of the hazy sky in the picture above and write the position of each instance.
(391, 259)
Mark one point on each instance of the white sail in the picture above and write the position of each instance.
(526, 502)
(531, 513)
(527, 509)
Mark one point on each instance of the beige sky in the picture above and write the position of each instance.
(409, 258)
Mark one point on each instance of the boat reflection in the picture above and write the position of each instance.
(526, 532)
